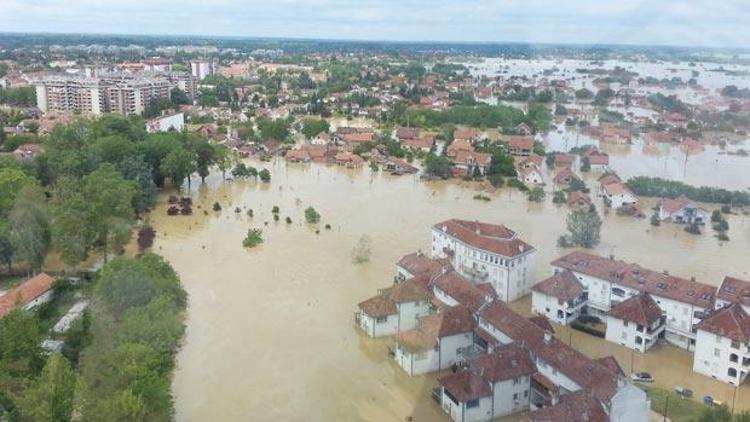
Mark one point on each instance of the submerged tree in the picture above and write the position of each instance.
(584, 226)
(311, 215)
(361, 252)
(253, 238)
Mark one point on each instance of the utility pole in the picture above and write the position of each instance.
(666, 408)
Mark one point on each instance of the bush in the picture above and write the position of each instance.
(586, 329)
(275, 209)
(253, 238)
(536, 195)
(559, 197)
(361, 252)
(311, 216)
(146, 235)
(265, 175)
(288, 220)
(249, 212)
(217, 206)
(481, 197)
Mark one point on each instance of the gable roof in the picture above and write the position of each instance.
(641, 309)
(465, 386)
(577, 406)
(734, 290)
(493, 238)
(504, 363)
(671, 206)
(563, 285)
(731, 322)
(450, 321)
(25, 293)
(462, 291)
(419, 263)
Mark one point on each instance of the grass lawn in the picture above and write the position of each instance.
(679, 410)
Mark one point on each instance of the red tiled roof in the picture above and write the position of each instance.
(471, 157)
(639, 278)
(24, 293)
(611, 363)
(449, 321)
(462, 291)
(408, 291)
(469, 133)
(489, 237)
(407, 132)
(504, 363)
(641, 309)
(378, 306)
(542, 322)
(734, 290)
(731, 322)
(419, 263)
(563, 285)
(465, 386)
(671, 206)
(521, 142)
(578, 406)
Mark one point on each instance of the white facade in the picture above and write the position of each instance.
(508, 397)
(175, 122)
(378, 326)
(682, 317)
(509, 276)
(631, 335)
(618, 199)
(40, 300)
(479, 410)
(445, 354)
(201, 69)
(556, 310)
(721, 358)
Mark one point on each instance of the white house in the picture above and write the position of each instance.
(682, 211)
(418, 264)
(28, 295)
(617, 195)
(494, 385)
(395, 309)
(733, 290)
(531, 175)
(636, 323)
(486, 253)
(722, 349)
(609, 282)
(171, 122)
(437, 342)
(560, 298)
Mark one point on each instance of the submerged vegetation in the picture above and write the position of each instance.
(253, 238)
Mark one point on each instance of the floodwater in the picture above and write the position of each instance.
(270, 332)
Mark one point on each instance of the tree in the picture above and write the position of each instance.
(30, 227)
(253, 238)
(179, 97)
(437, 166)
(7, 250)
(205, 158)
(312, 127)
(224, 159)
(361, 251)
(536, 195)
(311, 215)
(558, 197)
(50, 398)
(20, 339)
(11, 182)
(137, 169)
(178, 165)
(584, 226)
(265, 175)
(584, 94)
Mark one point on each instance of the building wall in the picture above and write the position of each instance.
(550, 307)
(512, 396)
(41, 300)
(713, 358)
(629, 404)
(433, 360)
(410, 312)
(373, 328)
(510, 276)
(459, 412)
(557, 377)
(625, 333)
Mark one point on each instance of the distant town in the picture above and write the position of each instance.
(569, 225)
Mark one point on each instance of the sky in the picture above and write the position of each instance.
(718, 23)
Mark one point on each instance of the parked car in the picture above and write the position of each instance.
(684, 392)
(710, 401)
(641, 377)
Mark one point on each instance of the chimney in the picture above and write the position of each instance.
(547, 337)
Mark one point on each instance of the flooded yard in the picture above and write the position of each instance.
(270, 331)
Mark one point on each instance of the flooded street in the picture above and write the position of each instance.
(270, 333)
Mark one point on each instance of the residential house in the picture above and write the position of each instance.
(615, 193)
(722, 349)
(486, 253)
(27, 295)
(637, 323)
(565, 177)
(417, 264)
(170, 122)
(298, 156)
(494, 385)
(467, 134)
(407, 133)
(467, 163)
(425, 143)
(27, 152)
(682, 210)
(521, 146)
(733, 290)
(458, 145)
(530, 175)
(598, 160)
(577, 406)
(323, 138)
(348, 159)
(395, 309)
(578, 200)
(437, 341)
(561, 298)
(609, 282)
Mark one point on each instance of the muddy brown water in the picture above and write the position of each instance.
(270, 332)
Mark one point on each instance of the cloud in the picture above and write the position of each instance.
(663, 22)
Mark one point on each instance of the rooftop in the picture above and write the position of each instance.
(493, 238)
(640, 309)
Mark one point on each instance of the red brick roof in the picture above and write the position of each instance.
(521, 142)
(419, 263)
(542, 322)
(407, 132)
(450, 321)
(469, 133)
(378, 306)
(639, 278)
(504, 363)
(462, 291)
(671, 206)
(563, 285)
(24, 293)
(489, 237)
(611, 363)
(573, 407)
(731, 322)
(734, 290)
(465, 386)
(641, 309)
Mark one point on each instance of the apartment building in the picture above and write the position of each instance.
(560, 298)
(201, 68)
(108, 92)
(636, 323)
(609, 282)
(723, 346)
(486, 253)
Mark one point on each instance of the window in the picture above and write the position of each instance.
(515, 380)
(381, 319)
(526, 393)
(472, 403)
(515, 396)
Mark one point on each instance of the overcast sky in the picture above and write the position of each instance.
(652, 22)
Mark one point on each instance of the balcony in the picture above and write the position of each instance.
(469, 352)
